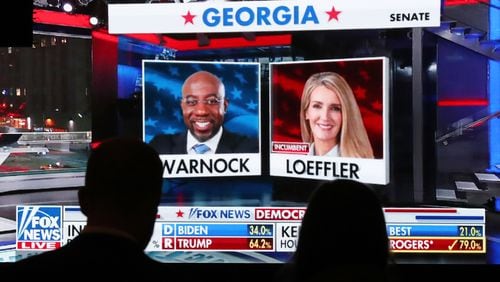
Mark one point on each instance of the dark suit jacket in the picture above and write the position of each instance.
(229, 143)
(89, 256)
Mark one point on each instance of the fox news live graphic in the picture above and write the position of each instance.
(167, 119)
(333, 126)
(38, 227)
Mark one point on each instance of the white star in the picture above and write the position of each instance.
(251, 105)
(168, 130)
(236, 93)
(150, 122)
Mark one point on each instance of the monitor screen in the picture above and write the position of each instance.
(246, 206)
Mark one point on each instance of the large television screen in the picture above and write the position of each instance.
(233, 217)
(261, 212)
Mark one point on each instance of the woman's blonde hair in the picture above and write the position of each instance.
(353, 137)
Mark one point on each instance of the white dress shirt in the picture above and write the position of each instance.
(212, 143)
(334, 152)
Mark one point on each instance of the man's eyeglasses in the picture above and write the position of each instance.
(191, 102)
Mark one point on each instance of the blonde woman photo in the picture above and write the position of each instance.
(330, 119)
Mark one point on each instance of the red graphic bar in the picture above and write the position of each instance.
(290, 148)
(462, 102)
(36, 245)
(59, 18)
(465, 2)
(443, 245)
(293, 214)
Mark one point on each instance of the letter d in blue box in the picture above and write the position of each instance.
(38, 227)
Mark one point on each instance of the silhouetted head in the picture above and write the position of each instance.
(344, 224)
(123, 186)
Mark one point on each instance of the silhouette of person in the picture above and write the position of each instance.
(330, 119)
(203, 106)
(120, 199)
(342, 237)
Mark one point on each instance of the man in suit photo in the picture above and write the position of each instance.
(204, 105)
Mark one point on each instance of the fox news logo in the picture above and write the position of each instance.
(225, 213)
(39, 227)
